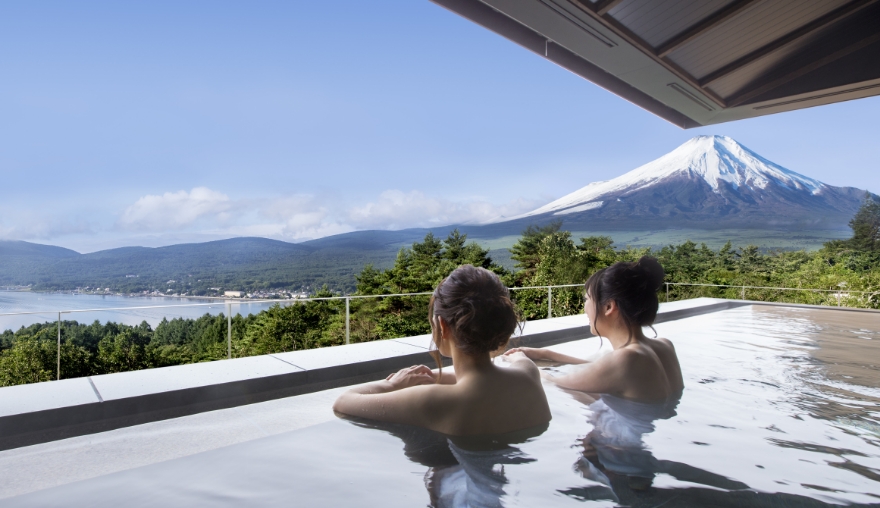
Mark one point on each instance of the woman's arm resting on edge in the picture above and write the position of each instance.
(609, 374)
(547, 355)
(400, 398)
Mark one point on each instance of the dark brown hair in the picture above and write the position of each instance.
(477, 308)
(633, 286)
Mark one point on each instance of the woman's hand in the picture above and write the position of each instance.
(511, 357)
(411, 376)
(530, 352)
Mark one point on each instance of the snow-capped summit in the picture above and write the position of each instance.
(707, 177)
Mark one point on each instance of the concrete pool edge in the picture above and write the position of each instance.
(32, 414)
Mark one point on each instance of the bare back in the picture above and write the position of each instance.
(665, 352)
(504, 400)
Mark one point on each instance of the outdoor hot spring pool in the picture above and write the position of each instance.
(781, 407)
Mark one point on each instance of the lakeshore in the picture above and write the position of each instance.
(31, 307)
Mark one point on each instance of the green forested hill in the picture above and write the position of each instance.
(260, 263)
(12, 249)
(238, 263)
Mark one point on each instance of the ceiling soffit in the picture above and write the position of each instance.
(698, 62)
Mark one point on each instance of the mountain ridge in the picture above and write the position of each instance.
(707, 179)
(14, 248)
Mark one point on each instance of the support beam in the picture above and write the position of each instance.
(761, 89)
(603, 6)
(646, 48)
(784, 41)
(703, 26)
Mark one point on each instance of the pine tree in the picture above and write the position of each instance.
(865, 225)
(526, 250)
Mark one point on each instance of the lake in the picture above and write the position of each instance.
(49, 304)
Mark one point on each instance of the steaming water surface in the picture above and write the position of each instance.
(781, 407)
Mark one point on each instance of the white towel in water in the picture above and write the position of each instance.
(476, 482)
(619, 426)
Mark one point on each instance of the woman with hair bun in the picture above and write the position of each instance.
(471, 317)
(621, 300)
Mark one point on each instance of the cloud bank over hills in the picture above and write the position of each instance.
(708, 182)
(205, 214)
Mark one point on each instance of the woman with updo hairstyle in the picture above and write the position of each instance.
(471, 317)
(621, 301)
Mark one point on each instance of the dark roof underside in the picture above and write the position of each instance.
(701, 62)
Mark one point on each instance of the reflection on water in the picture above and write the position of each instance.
(477, 480)
(616, 443)
(462, 471)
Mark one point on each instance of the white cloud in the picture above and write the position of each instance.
(26, 226)
(396, 209)
(204, 214)
(176, 210)
(303, 217)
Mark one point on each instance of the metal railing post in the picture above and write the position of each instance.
(229, 331)
(549, 301)
(347, 320)
(667, 292)
(743, 295)
(58, 357)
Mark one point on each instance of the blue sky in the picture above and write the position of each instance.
(151, 123)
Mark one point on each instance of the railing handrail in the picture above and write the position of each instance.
(741, 286)
(223, 302)
(347, 298)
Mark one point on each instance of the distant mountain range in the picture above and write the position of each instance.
(236, 263)
(708, 186)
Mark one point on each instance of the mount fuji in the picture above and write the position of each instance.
(708, 182)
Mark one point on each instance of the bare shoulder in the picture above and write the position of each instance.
(666, 342)
(621, 360)
(526, 367)
(627, 355)
(663, 348)
(665, 351)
